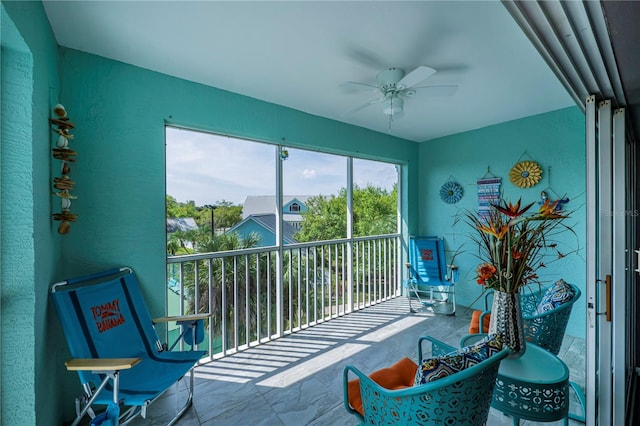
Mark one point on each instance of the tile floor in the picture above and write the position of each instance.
(297, 380)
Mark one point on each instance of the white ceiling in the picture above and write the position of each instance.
(300, 53)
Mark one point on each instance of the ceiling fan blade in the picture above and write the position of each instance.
(416, 76)
(444, 90)
(365, 57)
(354, 85)
(363, 106)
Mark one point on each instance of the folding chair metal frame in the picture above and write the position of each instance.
(427, 267)
(109, 359)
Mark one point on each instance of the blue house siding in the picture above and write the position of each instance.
(265, 227)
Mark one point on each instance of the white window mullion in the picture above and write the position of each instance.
(349, 254)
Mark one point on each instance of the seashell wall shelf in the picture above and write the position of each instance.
(63, 185)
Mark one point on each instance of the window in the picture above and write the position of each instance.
(223, 185)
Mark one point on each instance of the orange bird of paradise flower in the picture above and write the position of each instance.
(513, 210)
(548, 210)
(491, 230)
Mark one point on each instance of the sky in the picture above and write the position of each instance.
(208, 168)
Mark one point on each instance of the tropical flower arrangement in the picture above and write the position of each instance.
(513, 244)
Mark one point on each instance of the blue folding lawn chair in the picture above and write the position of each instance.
(429, 275)
(115, 348)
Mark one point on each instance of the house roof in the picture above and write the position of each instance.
(268, 221)
(181, 224)
(260, 204)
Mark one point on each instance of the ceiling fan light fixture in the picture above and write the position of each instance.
(392, 105)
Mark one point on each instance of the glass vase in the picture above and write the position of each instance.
(506, 319)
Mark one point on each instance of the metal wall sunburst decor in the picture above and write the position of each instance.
(451, 192)
(525, 174)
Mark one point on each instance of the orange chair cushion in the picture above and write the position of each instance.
(400, 375)
(474, 326)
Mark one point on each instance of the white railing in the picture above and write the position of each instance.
(250, 304)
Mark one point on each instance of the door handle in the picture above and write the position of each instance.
(607, 297)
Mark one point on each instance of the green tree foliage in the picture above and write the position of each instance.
(226, 214)
(176, 209)
(374, 213)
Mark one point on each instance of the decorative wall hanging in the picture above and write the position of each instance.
(63, 183)
(550, 194)
(488, 193)
(451, 192)
(525, 174)
(284, 153)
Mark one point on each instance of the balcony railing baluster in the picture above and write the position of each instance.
(316, 277)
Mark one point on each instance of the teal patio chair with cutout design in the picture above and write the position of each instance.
(545, 315)
(450, 387)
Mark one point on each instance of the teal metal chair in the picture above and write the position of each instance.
(116, 352)
(463, 398)
(545, 329)
(431, 281)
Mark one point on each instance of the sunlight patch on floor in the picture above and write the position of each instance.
(392, 329)
(308, 368)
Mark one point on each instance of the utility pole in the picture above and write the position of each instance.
(213, 227)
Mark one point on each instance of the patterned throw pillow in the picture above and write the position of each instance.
(558, 294)
(435, 368)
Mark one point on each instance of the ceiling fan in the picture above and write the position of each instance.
(394, 85)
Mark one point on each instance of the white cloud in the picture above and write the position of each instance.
(309, 174)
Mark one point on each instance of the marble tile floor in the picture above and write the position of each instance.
(297, 380)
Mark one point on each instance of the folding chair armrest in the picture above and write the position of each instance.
(410, 271)
(455, 271)
(101, 364)
(182, 318)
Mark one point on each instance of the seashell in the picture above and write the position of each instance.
(60, 111)
(65, 168)
(65, 203)
(64, 227)
(65, 194)
(62, 142)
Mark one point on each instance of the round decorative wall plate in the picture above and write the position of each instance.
(451, 192)
(525, 174)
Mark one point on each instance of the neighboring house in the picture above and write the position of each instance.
(181, 224)
(292, 207)
(265, 226)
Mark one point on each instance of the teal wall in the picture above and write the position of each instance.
(33, 349)
(555, 139)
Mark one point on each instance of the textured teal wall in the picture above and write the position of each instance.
(555, 140)
(33, 349)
